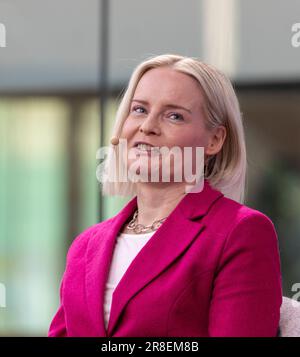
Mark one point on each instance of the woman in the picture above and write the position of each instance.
(175, 261)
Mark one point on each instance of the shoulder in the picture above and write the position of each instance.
(250, 247)
(80, 242)
(230, 217)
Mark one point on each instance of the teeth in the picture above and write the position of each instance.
(146, 147)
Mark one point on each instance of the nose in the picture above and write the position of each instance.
(150, 125)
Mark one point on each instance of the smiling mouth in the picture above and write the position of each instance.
(145, 148)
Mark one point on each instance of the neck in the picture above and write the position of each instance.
(156, 201)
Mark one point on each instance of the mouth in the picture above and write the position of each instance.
(144, 147)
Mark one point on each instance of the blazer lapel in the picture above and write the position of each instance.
(98, 259)
(166, 244)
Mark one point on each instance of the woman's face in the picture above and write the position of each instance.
(166, 111)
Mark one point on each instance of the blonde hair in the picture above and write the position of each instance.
(226, 170)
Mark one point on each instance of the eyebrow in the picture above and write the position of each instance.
(167, 105)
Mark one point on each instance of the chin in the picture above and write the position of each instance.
(144, 171)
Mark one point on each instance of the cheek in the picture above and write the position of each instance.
(191, 140)
(195, 157)
(128, 129)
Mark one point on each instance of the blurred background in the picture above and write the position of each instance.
(62, 72)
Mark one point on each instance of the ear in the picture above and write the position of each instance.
(216, 140)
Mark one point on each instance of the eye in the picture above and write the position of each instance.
(176, 117)
(137, 109)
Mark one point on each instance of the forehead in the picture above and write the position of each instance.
(168, 85)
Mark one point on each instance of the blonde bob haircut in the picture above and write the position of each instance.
(226, 170)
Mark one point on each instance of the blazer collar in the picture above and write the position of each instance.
(192, 206)
(196, 205)
(180, 223)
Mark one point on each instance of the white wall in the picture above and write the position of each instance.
(265, 40)
(52, 44)
(55, 44)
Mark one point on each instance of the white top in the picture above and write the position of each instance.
(126, 248)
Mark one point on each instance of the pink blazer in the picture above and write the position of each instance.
(212, 269)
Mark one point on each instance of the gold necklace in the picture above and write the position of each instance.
(140, 228)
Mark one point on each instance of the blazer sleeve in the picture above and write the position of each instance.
(58, 324)
(247, 290)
